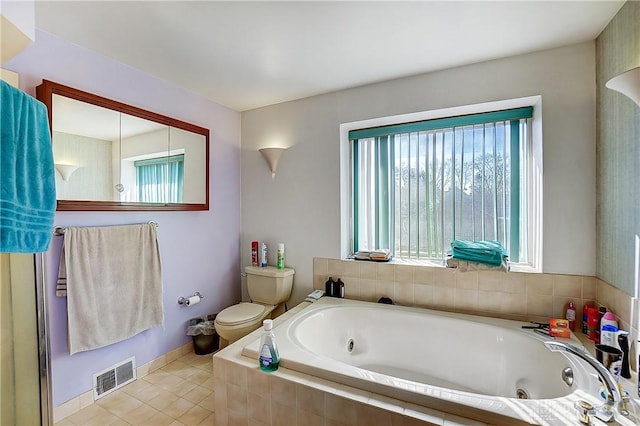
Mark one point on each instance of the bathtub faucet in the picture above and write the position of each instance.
(612, 406)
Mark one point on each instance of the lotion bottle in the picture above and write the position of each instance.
(609, 330)
(269, 356)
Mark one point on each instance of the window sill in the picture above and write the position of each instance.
(432, 263)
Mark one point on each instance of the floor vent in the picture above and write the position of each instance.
(112, 378)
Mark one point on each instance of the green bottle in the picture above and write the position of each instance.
(280, 263)
(269, 356)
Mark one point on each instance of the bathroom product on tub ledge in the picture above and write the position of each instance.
(334, 288)
(585, 317)
(623, 344)
(601, 311)
(269, 357)
(593, 324)
(314, 296)
(609, 329)
(571, 315)
(559, 327)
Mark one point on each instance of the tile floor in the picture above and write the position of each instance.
(178, 394)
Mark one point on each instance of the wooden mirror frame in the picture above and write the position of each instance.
(45, 92)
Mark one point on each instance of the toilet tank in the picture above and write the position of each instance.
(270, 285)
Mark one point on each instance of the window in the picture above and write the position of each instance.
(418, 186)
(153, 173)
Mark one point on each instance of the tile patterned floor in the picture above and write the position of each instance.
(178, 394)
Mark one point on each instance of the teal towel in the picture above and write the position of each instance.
(27, 181)
(489, 252)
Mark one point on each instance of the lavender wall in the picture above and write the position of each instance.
(199, 250)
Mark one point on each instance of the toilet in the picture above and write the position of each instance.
(269, 288)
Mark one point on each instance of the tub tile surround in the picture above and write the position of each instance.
(514, 295)
(244, 395)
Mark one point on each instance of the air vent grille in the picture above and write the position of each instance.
(114, 377)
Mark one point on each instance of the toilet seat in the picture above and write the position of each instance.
(240, 314)
(237, 321)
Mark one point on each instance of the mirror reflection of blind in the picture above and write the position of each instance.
(160, 179)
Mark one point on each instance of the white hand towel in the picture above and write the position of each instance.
(114, 284)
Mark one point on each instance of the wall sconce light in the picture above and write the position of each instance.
(627, 83)
(66, 170)
(272, 155)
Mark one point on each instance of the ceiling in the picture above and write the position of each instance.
(245, 55)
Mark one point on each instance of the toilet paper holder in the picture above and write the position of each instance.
(185, 300)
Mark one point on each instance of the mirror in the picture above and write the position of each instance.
(113, 156)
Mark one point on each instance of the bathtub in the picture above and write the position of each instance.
(481, 368)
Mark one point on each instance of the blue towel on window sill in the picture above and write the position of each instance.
(489, 252)
(27, 181)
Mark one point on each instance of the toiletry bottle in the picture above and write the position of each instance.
(609, 335)
(609, 329)
(571, 316)
(601, 311)
(263, 255)
(623, 344)
(280, 263)
(254, 253)
(269, 356)
(585, 316)
(338, 289)
(593, 324)
(328, 288)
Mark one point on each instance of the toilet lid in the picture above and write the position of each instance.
(238, 314)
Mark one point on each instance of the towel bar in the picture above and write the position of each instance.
(59, 230)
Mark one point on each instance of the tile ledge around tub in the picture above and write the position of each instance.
(233, 354)
(430, 415)
(357, 396)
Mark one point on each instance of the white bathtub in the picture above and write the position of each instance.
(463, 364)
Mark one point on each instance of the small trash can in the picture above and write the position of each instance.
(203, 332)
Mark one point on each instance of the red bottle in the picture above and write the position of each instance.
(571, 316)
(254, 253)
(585, 315)
(593, 324)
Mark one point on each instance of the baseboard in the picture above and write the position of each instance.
(84, 400)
